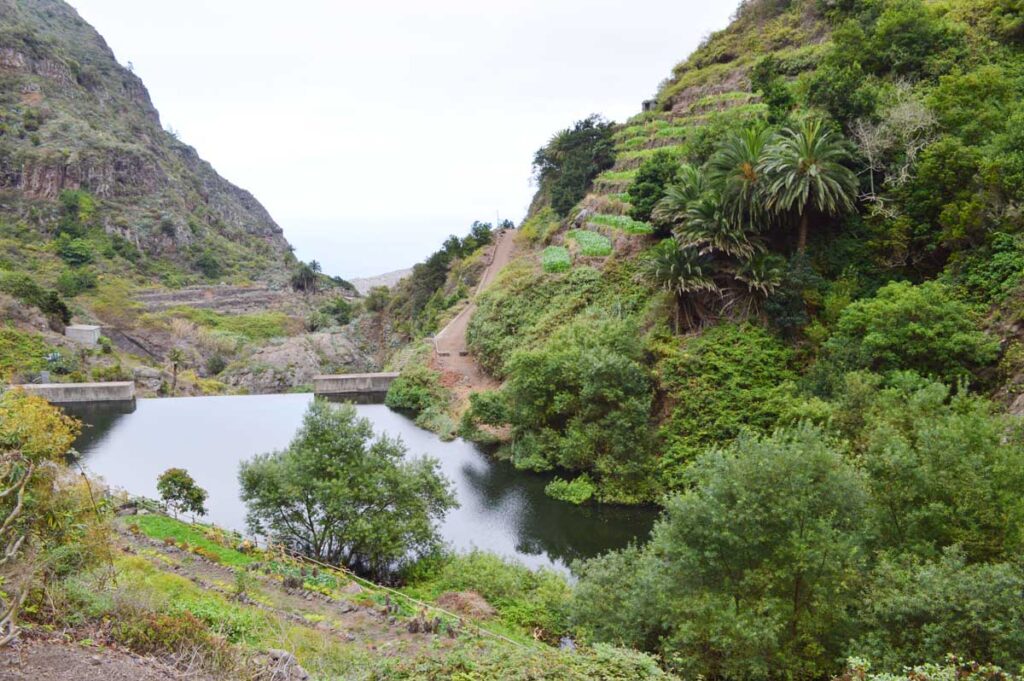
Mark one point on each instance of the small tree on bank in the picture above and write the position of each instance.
(340, 496)
(181, 493)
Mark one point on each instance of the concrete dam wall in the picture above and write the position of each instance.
(68, 393)
(353, 385)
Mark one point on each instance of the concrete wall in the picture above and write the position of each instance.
(344, 384)
(65, 393)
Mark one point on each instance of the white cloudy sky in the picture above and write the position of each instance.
(371, 130)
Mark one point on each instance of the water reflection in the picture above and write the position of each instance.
(501, 509)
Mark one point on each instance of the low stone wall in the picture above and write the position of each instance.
(67, 393)
(353, 384)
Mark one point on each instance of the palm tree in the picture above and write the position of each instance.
(708, 229)
(754, 280)
(683, 272)
(176, 357)
(688, 187)
(736, 169)
(805, 171)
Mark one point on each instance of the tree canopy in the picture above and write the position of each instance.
(341, 495)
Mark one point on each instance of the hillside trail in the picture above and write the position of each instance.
(460, 371)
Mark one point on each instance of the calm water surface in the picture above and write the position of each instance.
(501, 509)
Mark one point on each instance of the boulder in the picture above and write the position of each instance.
(148, 378)
(279, 665)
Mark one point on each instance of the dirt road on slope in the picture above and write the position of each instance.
(451, 353)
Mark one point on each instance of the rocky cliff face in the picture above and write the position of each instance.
(72, 118)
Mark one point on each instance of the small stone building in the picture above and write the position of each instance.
(83, 334)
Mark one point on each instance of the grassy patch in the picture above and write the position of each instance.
(591, 243)
(21, 352)
(255, 326)
(204, 537)
(556, 259)
(525, 599)
(623, 223)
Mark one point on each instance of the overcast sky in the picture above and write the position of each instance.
(372, 130)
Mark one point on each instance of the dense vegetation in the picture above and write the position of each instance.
(817, 287)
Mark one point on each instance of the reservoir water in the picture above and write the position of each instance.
(501, 509)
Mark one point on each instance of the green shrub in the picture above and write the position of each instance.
(555, 259)
(74, 251)
(339, 309)
(71, 282)
(603, 662)
(417, 389)
(581, 402)
(209, 265)
(114, 372)
(713, 589)
(215, 364)
(927, 610)
(730, 378)
(591, 244)
(524, 598)
(648, 187)
(920, 328)
(21, 352)
(25, 289)
(317, 321)
(579, 490)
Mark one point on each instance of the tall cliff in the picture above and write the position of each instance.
(72, 118)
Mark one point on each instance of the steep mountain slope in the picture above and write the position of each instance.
(681, 329)
(72, 118)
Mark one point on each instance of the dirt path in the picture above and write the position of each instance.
(43, 659)
(451, 353)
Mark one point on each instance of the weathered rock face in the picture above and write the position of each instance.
(72, 118)
(295, 361)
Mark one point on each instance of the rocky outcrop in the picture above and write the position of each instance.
(72, 118)
(294, 361)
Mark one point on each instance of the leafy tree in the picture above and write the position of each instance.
(339, 309)
(377, 298)
(340, 496)
(74, 252)
(648, 188)
(918, 611)
(766, 78)
(921, 328)
(181, 493)
(581, 402)
(943, 470)
(748, 572)
(806, 173)
(572, 159)
(34, 438)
